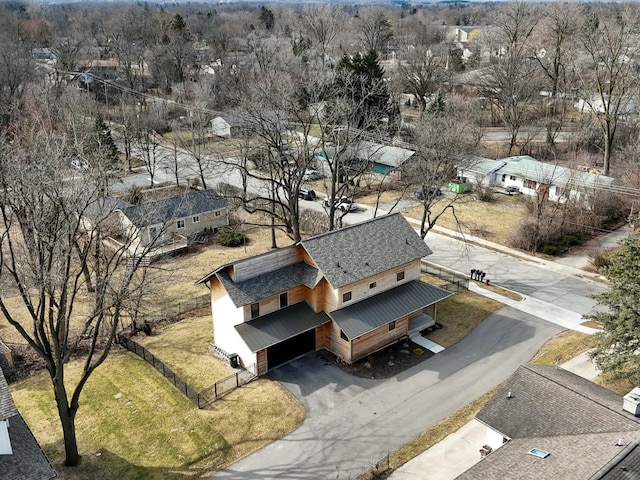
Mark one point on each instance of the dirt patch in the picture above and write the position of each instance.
(385, 363)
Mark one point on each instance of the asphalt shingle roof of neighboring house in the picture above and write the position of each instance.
(365, 249)
(28, 461)
(166, 210)
(578, 422)
(382, 154)
(529, 168)
(7, 406)
(267, 284)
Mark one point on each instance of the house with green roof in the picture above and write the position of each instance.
(351, 291)
(532, 177)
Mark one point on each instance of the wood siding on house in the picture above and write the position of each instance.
(272, 303)
(255, 266)
(323, 336)
(381, 337)
(261, 362)
(385, 281)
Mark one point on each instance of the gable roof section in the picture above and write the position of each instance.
(577, 421)
(28, 461)
(166, 210)
(529, 168)
(551, 401)
(268, 284)
(280, 325)
(365, 249)
(7, 407)
(382, 154)
(373, 312)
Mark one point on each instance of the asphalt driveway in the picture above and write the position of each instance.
(353, 422)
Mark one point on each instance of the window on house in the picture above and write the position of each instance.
(530, 184)
(400, 276)
(217, 214)
(180, 223)
(153, 232)
(346, 296)
(196, 219)
(512, 177)
(255, 310)
(372, 285)
(284, 299)
(392, 325)
(343, 336)
(504, 177)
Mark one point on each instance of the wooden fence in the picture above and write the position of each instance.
(202, 398)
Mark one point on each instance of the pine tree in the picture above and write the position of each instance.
(104, 139)
(617, 345)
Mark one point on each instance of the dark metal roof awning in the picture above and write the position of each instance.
(281, 325)
(386, 307)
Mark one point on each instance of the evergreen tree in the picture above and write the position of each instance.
(618, 344)
(104, 139)
(359, 80)
(438, 105)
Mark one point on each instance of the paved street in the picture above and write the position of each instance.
(351, 423)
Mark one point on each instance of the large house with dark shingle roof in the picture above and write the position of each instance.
(170, 222)
(580, 425)
(351, 291)
(21, 458)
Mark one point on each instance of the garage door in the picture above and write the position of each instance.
(291, 348)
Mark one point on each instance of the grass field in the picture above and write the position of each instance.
(494, 221)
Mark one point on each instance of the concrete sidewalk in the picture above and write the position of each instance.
(461, 450)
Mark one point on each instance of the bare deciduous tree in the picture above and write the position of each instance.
(53, 223)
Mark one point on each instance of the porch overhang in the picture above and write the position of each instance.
(273, 328)
(373, 312)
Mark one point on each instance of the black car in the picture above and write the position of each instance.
(422, 193)
(307, 193)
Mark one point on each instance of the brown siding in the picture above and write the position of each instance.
(384, 281)
(272, 303)
(339, 347)
(323, 336)
(379, 338)
(261, 362)
(254, 266)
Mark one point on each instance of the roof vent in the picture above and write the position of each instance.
(631, 402)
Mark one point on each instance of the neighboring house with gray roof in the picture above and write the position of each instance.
(228, 126)
(533, 177)
(581, 425)
(21, 458)
(351, 291)
(169, 223)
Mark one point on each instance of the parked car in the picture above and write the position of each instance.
(343, 203)
(430, 192)
(310, 175)
(306, 193)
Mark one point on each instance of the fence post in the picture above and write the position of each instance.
(215, 390)
(237, 385)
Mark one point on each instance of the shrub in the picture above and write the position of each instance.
(570, 240)
(229, 237)
(550, 250)
(599, 257)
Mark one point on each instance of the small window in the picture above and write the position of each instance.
(180, 223)
(217, 214)
(530, 184)
(392, 325)
(255, 310)
(196, 219)
(512, 177)
(372, 285)
(400, 276)
(284, 299)
(504, 177)
(346, 296)
(153, 232)
(343, 336)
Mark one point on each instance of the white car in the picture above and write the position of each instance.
(343, 203)
(310, 175)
